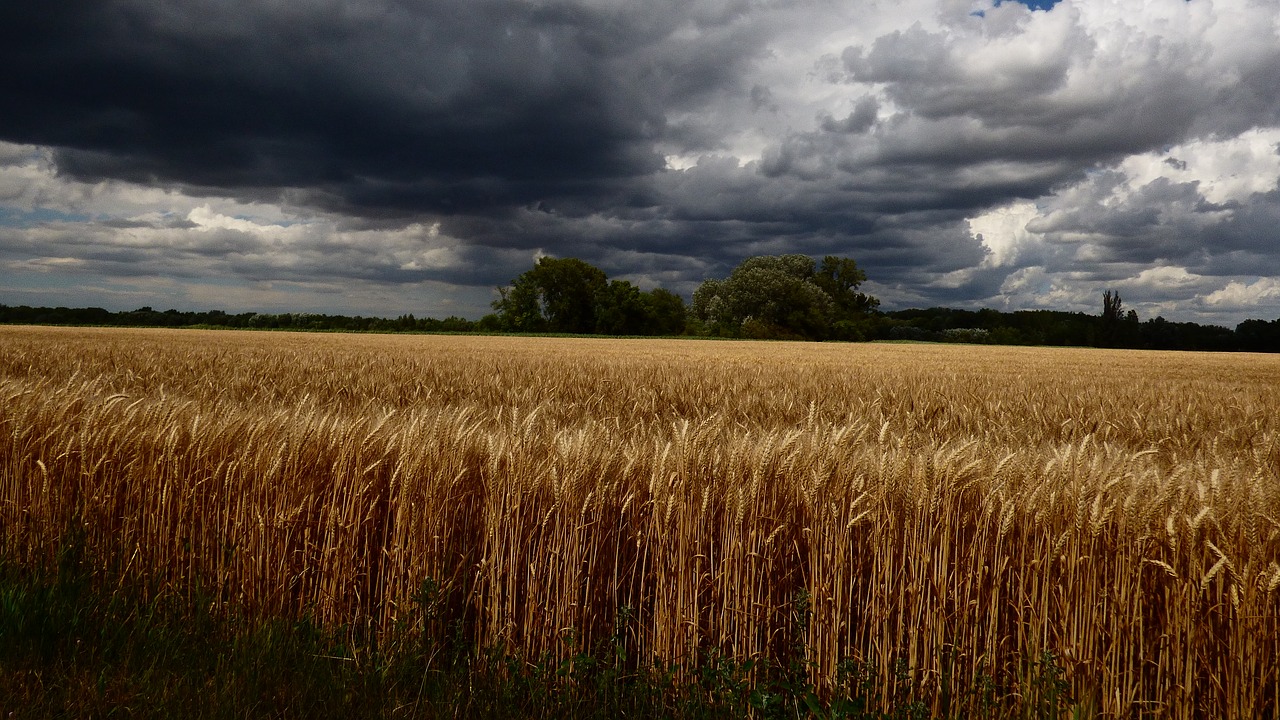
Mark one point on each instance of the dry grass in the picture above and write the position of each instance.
(1116, 508)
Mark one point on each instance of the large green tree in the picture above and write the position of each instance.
(840, 279)
(785, 296)
(568, 295)
(556, 295)
(666, 313)
(624, 309)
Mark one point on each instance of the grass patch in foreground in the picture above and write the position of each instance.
(70, 650)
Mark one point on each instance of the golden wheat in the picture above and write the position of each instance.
(942, 505)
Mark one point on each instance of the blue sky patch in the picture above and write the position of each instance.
(1033, 4)
(15, 217)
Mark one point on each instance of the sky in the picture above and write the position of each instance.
(381, 157)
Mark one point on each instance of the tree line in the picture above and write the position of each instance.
(148, 317)
(791, 297)
(766, 297)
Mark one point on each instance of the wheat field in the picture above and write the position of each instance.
(955, 508)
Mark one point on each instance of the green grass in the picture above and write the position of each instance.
(73, 647)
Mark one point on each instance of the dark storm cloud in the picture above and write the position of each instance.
(377, 105)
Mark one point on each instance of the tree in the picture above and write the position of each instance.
(1112, 307)
(711, 309)
(1258, 335)
(556, 295)
(782, 296)
(665, 312)
(624, 309)
(620, 309)
(1118, 328)
(840, 278)
(570, 296)
(775, 296)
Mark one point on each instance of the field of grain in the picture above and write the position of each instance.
(958, 508)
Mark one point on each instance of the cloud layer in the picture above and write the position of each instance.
(383, 156)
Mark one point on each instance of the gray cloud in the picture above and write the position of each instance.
(863, 118)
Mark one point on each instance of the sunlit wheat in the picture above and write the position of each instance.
(973, 506)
